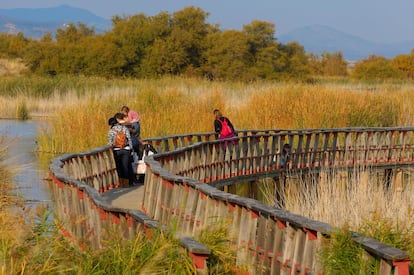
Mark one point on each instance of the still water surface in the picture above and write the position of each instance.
(30, 178)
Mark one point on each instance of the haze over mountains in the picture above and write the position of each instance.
(37, 22)
(317, 39)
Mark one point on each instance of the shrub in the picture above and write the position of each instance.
(22, 112)
(342, 256)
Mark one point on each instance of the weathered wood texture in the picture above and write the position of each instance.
(87, 217)
(181, 180)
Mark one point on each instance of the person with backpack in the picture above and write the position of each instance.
(120, 139)
(223, 126)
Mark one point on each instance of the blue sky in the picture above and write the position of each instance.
(374, 20)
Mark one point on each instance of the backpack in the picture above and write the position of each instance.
(226, 131)
(120, 139)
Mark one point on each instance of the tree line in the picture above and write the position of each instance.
(183, 43)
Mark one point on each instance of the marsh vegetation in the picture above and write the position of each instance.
(77, 110)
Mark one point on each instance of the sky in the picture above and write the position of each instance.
(382, 21)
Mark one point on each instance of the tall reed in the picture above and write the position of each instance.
(359, 201)
(13, 229)
(175, 106)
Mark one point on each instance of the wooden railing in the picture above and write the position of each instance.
(255, 154)
(181, 188)
(87, 218)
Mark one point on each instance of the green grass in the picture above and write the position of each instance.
(43, 250)
(341, 255)
(222, 259)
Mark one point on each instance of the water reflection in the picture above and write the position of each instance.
(30, 183)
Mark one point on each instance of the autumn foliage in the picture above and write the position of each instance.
(184, 44)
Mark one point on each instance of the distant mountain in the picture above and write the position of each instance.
(318, 39)
(36, 22)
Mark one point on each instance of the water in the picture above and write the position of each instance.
(30, 179)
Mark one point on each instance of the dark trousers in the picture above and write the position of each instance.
(123, 163)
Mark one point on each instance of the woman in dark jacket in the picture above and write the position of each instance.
(122, 153)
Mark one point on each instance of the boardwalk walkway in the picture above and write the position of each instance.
(183, 190)
(127, 198)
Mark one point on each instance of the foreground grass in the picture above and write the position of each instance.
(41, 249)
(44, 251)
(31, 244)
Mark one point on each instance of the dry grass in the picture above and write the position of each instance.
(341, 200)
(176, 106)
(13, 226)
(12, 67)
(258, 105)
(316, 106)
(347, 200)
(360, 202)
(5, 175)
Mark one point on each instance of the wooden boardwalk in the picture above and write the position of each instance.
(127, 198)
(183, 190)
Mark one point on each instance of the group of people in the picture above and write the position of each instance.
(124, 137)
(126, 125)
